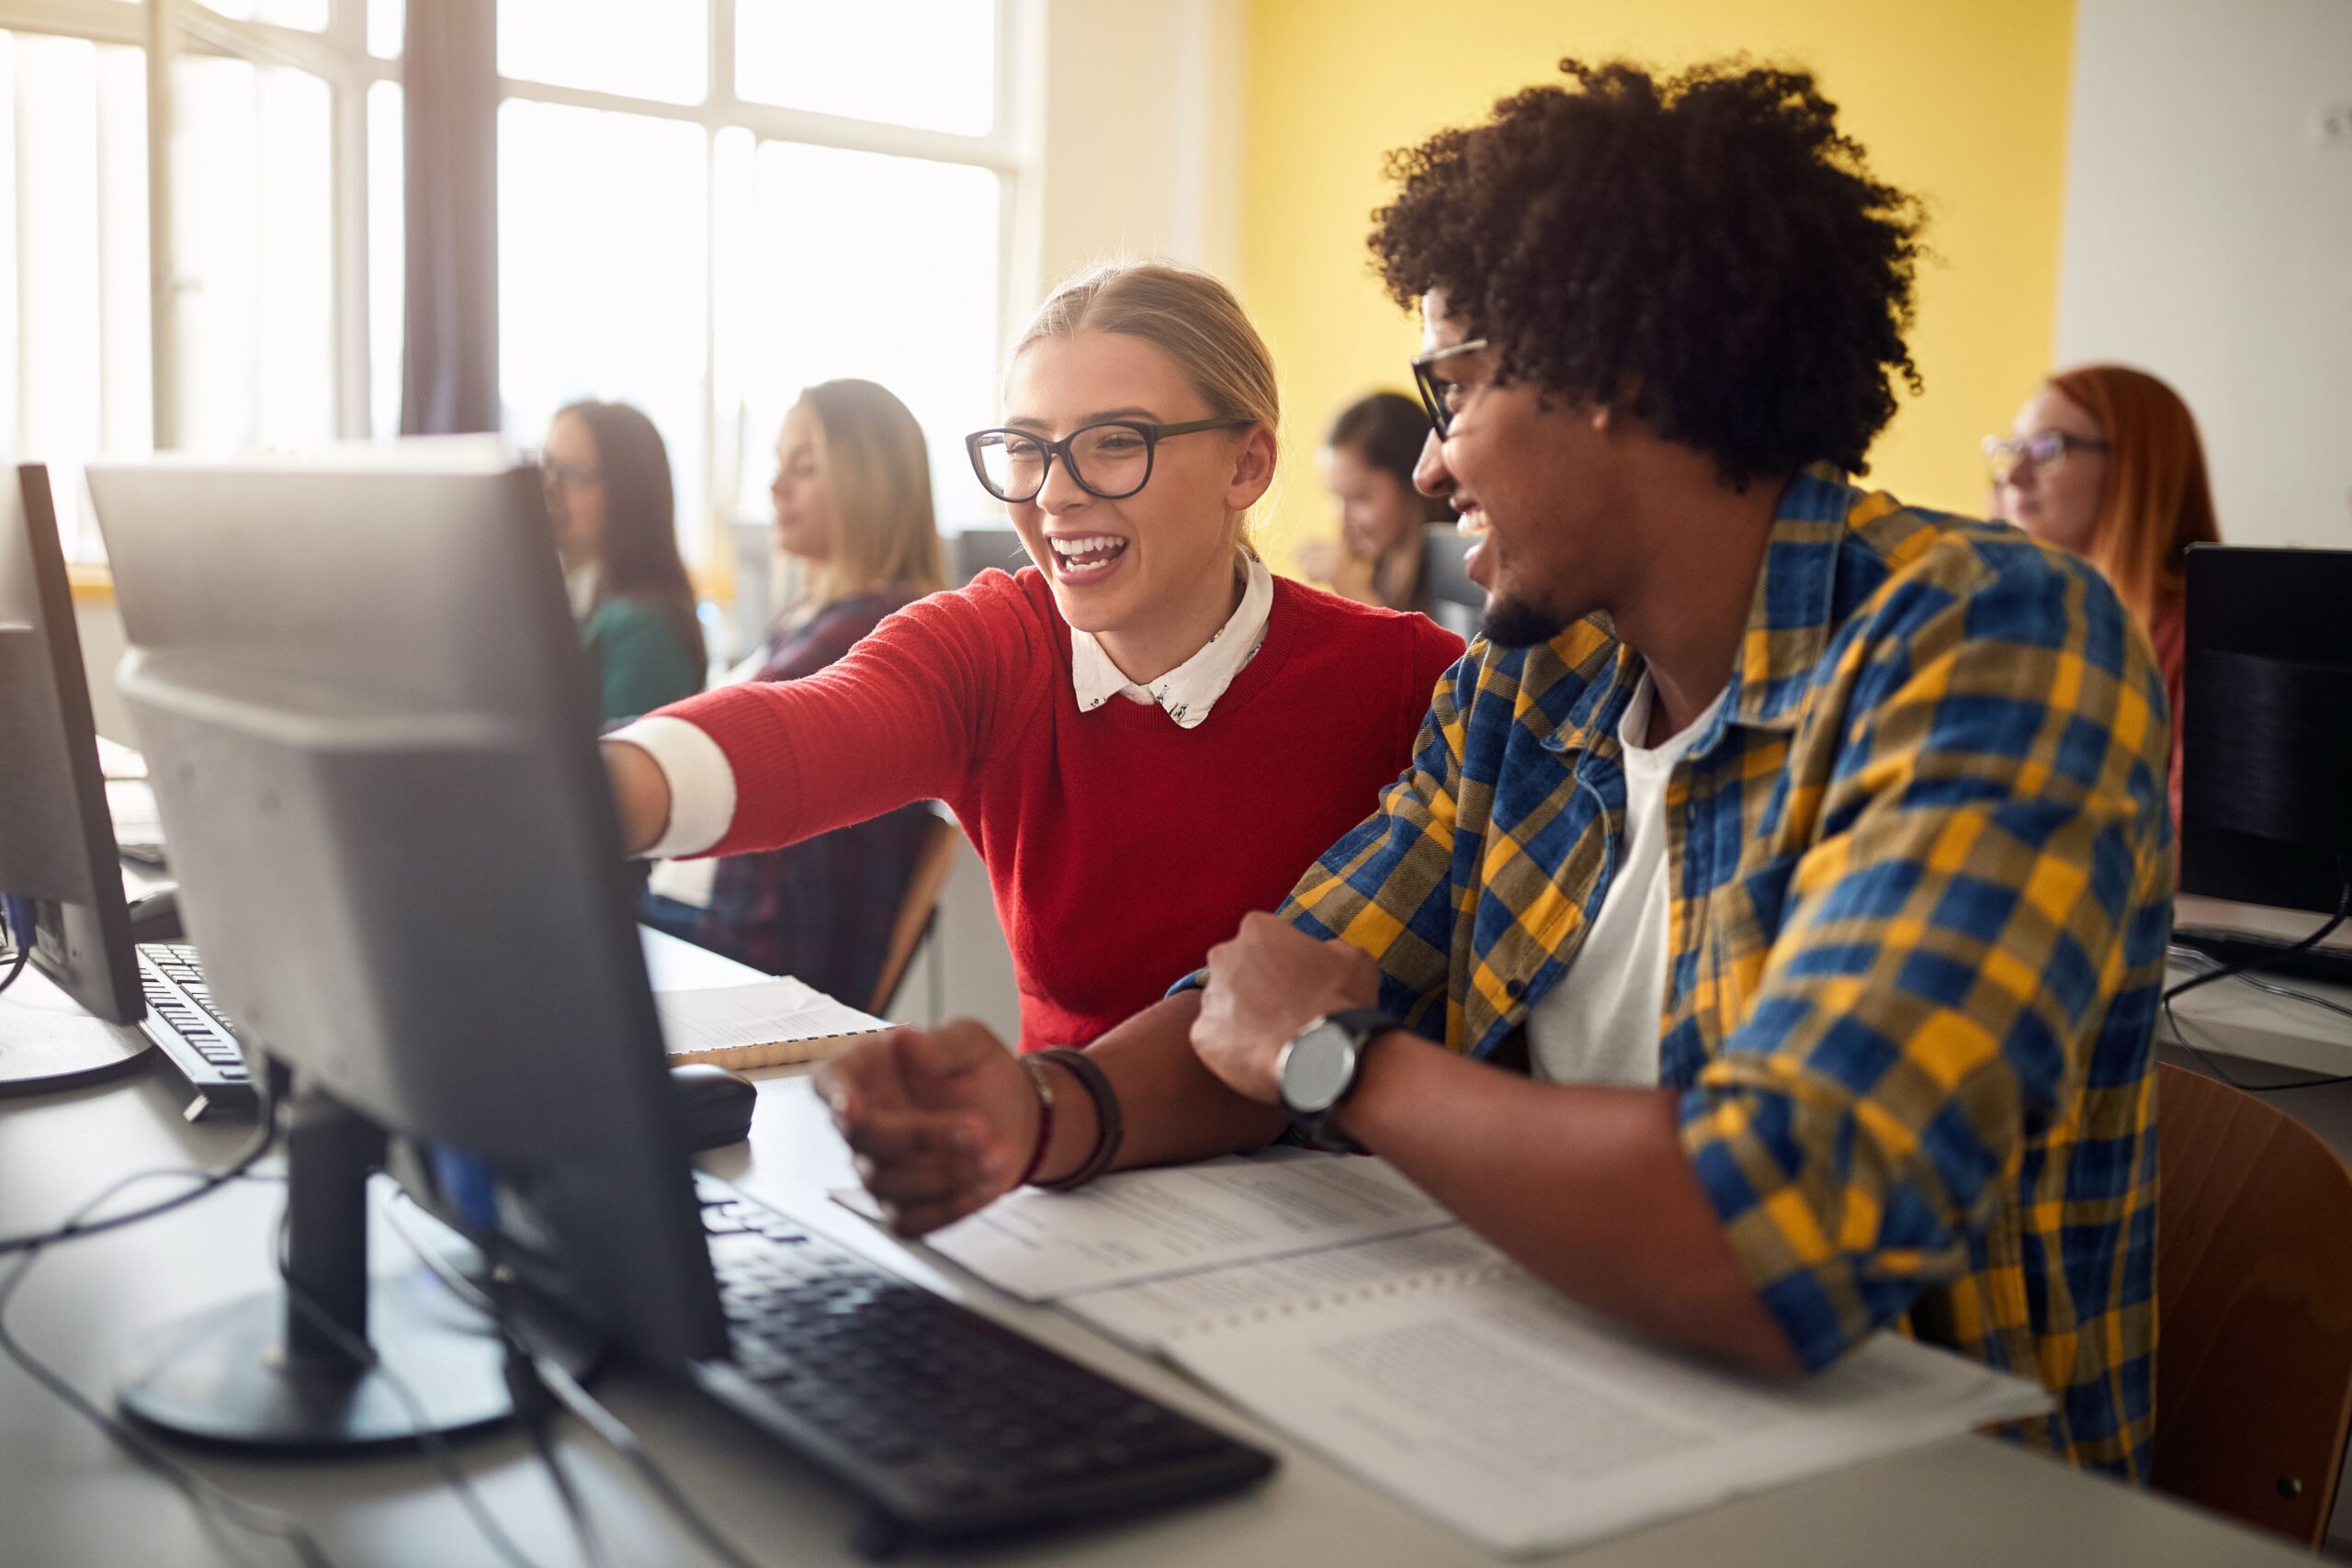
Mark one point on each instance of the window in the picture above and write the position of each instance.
(706, 204)
(282, 139)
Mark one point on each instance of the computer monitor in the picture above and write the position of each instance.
(57, 845)
(977, 547)
(370, 730)
(2267, 738)
(1455, 602)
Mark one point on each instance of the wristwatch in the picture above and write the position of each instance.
(1318, 1068)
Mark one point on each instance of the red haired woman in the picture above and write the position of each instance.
(2104, 460)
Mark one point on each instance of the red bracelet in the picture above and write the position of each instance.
(1044, 1087)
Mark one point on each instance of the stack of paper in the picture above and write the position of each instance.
(761, 1025)
(1336, 1301)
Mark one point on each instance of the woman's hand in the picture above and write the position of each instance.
(942, 1124)
(641, 793)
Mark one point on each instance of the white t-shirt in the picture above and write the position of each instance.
(1599, 1024)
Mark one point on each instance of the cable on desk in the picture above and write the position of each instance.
(436, 1447)
(78, 1225)
(2244, 968)
(214, 1505)
(17, 921)
(583, 1405)
(534, 1401)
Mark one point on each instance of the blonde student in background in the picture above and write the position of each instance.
(1144, 734)
(854, 507)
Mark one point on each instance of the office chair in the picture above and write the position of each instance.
(2254, 1298)
(918, 909)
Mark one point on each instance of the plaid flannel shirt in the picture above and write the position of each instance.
(1922, 869)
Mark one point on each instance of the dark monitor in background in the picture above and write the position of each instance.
(2267, 745)
(1454, 602)
(369, 726)
(976, 548)
(57, 847)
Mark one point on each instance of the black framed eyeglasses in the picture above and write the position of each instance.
(1111, 459)
(2046, 450)
(1433, 390)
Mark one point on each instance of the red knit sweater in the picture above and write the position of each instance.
(1120, 847)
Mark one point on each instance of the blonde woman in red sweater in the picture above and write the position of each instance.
(1144, 734)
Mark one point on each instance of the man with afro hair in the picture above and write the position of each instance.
(1763, 947)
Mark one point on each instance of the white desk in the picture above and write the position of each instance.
(68, 1499)
(2235, 1019)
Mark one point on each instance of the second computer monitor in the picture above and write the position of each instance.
(2267, 744)
(57, 844)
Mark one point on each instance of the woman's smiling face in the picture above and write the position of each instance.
(1119, 567)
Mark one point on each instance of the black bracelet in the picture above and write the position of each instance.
(1110, 1130)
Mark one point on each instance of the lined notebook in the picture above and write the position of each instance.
(767, 1025)
(1326, 1296)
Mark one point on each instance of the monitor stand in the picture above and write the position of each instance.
(49, 1043)
(277, 1374)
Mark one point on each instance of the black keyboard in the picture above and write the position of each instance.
(195, 1042)
(951, 1425)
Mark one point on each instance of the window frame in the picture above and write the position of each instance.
(1008, 150)
(165, 30)
(339, 55)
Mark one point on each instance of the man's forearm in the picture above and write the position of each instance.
(1584, 1185)
(1173, 1109)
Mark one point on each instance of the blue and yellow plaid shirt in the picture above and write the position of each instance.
(1922, 870)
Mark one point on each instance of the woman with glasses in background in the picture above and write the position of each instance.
(2105, 461)
(1367, 460)
(854, 507)
(615, 515)
(1144, 734)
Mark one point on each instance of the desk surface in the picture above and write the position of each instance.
(2237, 1020)
(69, 1498)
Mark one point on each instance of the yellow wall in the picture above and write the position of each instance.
(1965, 106)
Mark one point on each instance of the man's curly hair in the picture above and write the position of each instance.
(1705, 250)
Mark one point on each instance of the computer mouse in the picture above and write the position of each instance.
(717, 1104)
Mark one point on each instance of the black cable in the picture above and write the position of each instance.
(615, 1434)
(77, 1227)
(533, 1403)
(436, 1447)
(2271, 960)
(215, 1507)
(2244, 967)
(16, 923)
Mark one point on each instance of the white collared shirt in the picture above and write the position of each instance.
(1187, 693)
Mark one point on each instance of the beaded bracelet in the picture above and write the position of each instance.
(1110, 1130)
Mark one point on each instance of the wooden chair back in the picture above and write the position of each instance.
(916, 909)
(2254, 1302)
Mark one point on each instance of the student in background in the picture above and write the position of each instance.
(853, 505)
(2104, 461)
(1145, 736)
(1367, 462)
(615, 516)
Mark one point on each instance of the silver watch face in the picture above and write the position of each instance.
(1318, 1068)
